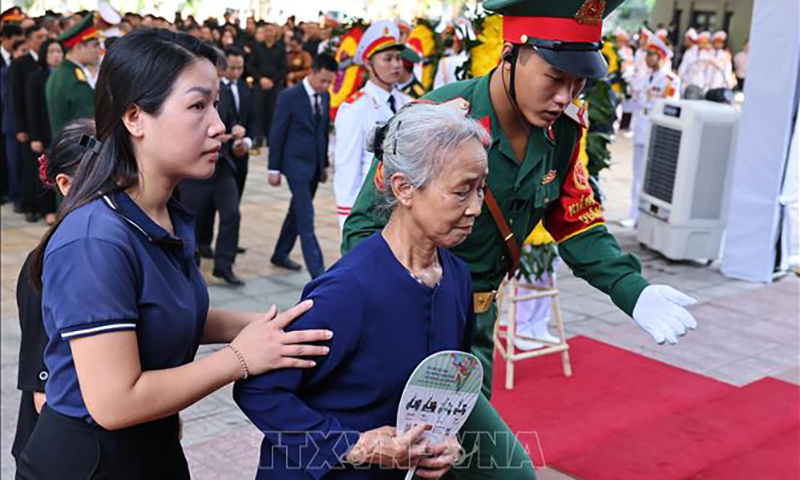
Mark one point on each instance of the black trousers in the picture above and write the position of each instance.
(3, 167)
(267, 108)
(205, 225)
(201, 197)
(67, 448)
(26, 421)
(12, 163)
(35, 198)
(300, 222)
(242, 164)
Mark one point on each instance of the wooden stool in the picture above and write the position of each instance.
(515, 292)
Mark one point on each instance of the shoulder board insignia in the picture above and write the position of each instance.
(458, 103)
(80, 75)
(352, 98)
(577, 114)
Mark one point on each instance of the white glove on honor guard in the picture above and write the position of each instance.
(659, 311)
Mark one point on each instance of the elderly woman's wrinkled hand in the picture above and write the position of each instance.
(443, 456)
(382, 446)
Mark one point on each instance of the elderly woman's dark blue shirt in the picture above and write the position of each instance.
(385, 322)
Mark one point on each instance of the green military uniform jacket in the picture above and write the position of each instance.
(69, 95)
(414, 89)
(551, 184)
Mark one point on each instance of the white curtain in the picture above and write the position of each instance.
(756, 215)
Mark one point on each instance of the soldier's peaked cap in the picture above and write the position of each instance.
(567, 34)
(82, 31)
(381, 35)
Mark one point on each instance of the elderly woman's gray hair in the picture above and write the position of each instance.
(418, 141)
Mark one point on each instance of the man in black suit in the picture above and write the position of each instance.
(268, 65)
(19, 75)
(244, 113)
(11, 33)
(236, 102)
(220, 192)
(299, 151)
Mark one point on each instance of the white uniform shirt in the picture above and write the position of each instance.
(719, 70)
(641, 73)
(356, 117)
(688, 59)
(662, 83)
(446, 73)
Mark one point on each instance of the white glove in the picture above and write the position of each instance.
(659, 311)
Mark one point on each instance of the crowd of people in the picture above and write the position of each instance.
(149, 128)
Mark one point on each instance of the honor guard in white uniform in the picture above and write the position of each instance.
(661, 83)
(689, 56)
(379, 52)
(626, 68)
(720, 74)
(455, 55)
(637, 77)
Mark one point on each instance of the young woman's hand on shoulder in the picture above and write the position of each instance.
(265, 345)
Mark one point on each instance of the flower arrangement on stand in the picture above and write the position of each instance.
(424, 39)
(350, 76)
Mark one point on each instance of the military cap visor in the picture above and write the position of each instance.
(567, 34)
(409, 55)
(588, 64)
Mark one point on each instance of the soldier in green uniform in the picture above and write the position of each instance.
(550, 50)
(409, 84)
(70, 88)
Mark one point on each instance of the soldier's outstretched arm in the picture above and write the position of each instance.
(576, 222)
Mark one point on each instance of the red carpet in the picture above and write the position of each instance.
(624, 416)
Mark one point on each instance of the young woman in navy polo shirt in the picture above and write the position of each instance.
(56, 168)
(123, 302)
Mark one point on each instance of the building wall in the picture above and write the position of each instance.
(740, 21)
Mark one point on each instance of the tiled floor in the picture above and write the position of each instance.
(746, 331)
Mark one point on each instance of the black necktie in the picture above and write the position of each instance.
(317, 107)
(392, 104)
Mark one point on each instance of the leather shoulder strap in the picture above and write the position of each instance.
(505, 230)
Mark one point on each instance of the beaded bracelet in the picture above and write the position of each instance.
(241, 360)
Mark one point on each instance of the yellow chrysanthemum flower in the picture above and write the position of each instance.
(486, 56)
(428, 42)
(610, 52)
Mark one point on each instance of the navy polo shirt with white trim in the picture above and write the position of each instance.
(109, 268)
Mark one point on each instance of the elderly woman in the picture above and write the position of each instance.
(392, 301)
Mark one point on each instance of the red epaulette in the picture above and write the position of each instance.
(352, 98)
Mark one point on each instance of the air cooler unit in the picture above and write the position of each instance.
(686, 189)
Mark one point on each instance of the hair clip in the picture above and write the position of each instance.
(396, 132)
(90, 143)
